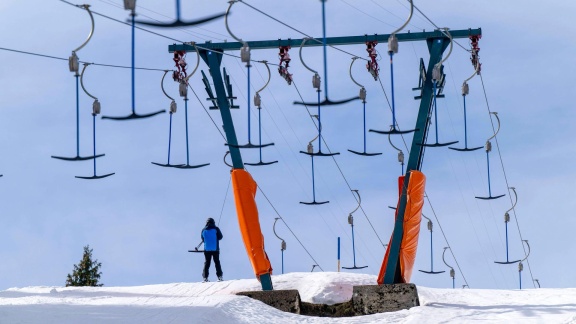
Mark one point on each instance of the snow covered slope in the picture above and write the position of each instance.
(217, 303)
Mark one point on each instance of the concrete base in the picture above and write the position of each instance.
(365, 300)
(384, 298)
(284, 300)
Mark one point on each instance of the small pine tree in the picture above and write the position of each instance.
(86, 273)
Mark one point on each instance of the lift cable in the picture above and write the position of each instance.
(66, 59)
(294, 29)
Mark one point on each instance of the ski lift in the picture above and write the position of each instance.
(258, 103)
(400, 153)
(488, 147)
(282, 244)
(326, 101)
(131, 5)
(95, 111)
(392, 49)
(73, 65)
(521, 266)
(316, 84)
(438, 74)
(314, 266)
(245, 58)
(362, 96)
(310, 151)
(173, 108)
(465, 91)
(430, 225)
(538, 282)
(178, 22)
(182, 78)
(506, 220)
(452, 272)
(351, 222)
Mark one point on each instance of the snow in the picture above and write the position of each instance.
(216, 302)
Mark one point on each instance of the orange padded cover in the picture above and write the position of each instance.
(244, 194)
(412, 218)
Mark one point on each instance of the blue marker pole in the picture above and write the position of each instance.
(338, 253)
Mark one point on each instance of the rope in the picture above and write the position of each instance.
(224, 202)
(207, 113)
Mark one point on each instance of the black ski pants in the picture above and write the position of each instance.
(208, 255)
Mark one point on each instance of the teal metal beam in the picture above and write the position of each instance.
(436, 47)
(213, 60)
(330, 41)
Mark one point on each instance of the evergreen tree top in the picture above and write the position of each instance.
(86, 272)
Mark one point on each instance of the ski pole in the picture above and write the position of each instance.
(196, 248)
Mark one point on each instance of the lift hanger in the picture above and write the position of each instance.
(488, 147)
(95, 111)
(351, 222)
(362, 96)
(73, 65)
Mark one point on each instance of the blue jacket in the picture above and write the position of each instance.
(210, 236)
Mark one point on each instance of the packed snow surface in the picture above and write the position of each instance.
(216, 302)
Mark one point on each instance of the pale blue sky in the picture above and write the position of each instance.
(141, 221)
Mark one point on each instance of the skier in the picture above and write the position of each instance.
(211, 236)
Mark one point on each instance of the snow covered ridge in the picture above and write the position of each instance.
(217, 303)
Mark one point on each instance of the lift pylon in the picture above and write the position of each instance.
(437, 42)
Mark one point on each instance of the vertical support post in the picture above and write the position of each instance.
(94, 140)
(170, 138)
(186, 123)
(507, 242)
(353, 247)
(338, 253)
(364, 114)
(177, 9)
(431, 255)
(78, 117)
(132, 67)
(436, 47)
(324, 49)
